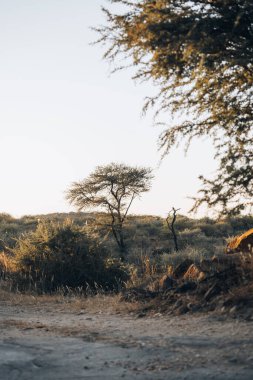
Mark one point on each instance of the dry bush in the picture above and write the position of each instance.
(7, 266)
(165, 261)
(3, 264)
(61, 255)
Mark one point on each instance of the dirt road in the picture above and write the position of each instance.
(51, 342)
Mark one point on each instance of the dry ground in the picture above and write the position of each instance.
(101, 338)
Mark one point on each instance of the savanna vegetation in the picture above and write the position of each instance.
(62, 252)
(143, 233)
(112, 188)
(199, 54)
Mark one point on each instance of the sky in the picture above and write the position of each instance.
(62, 113)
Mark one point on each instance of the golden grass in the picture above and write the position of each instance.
(100, 303)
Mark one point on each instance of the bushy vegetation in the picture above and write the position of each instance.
(143, 234)
(62, 255)
(77, 250)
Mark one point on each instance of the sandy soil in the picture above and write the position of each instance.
(52, 341)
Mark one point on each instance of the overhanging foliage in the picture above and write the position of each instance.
(200, 54)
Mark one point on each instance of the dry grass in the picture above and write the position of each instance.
(149, 270)
(243, 295)
(6, 264)
(100, 303)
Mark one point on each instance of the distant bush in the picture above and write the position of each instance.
(6, 218)
(62, 255)
(144, 234)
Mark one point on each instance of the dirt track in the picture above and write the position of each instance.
(49, 342)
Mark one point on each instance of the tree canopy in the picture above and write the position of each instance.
(111, 188)
(200, 54)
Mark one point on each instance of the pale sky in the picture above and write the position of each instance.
(62, 114)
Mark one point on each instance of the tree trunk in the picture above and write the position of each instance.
(118, 235)
(171, 227)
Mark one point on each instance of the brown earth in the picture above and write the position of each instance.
(60, 340)
(222, 284)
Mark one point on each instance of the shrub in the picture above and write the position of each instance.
(62, 254)
(6, 218)
(165, 261)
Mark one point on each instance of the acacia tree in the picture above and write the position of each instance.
(200, 54)
(111, 188)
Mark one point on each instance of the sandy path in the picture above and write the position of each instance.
(48, 342)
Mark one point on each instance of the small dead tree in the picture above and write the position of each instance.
(171, 223)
